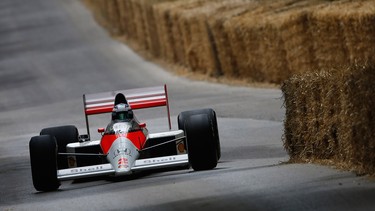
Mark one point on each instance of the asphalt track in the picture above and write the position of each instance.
(52, 52)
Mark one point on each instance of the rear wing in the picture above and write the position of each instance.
(140, 98)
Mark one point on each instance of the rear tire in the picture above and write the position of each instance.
(64, 135)
(212, 116)
(201, 144)
(43, 152)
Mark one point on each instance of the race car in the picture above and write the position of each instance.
(126, 146)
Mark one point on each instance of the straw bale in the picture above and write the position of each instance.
(286, 46)
(304, 122)
(357, 116)
(151, 24)
(226, 63)
(297, 42)
(178, 36)
(257, 37)
(170, 27)
(122, 11)
(272, 51)
(146, 25)
(295, 107)
(126, 23)
(327, 35)
(245, 39)
(199, 44)
(114, 17)
(358, 20)
(140, 29)
(329, 115)
(330, 108)
(162, 14)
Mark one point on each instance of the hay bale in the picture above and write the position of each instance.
(245, 39)
(170, 30)
(297, 42)
(151, 25)
(178, 36)
(357, 116)
(287, 45)
(330, 116)
(199, 44)
(139, 22)
(327, 35)
(358, 20)
(146, 25)
(295, 111)
(122, 11)
(162, 14)
(256, 35)
(126, 24)
(225, 51)
(113, 18)
(303, 96)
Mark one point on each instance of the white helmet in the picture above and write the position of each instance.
(122, 112)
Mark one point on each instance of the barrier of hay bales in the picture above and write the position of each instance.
(262, 41)
(330, 115)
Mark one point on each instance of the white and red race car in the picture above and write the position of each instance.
(126, 146)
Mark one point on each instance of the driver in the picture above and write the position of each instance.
(122, 112)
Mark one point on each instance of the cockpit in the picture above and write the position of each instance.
(118, 127)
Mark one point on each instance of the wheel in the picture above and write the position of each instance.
(43, 153)
(211, 114)
(201, 144)
(64, 135)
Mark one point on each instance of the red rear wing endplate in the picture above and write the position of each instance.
(148, 97)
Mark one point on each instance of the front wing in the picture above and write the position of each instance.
(106, 169)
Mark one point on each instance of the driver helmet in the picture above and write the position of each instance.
(122, 112)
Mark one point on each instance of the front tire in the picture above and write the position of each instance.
(43, 158)
(211, 115)
(201, 144)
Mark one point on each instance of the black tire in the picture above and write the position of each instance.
(212, 116)
(64, 135)
(43, 153)
(201, 144)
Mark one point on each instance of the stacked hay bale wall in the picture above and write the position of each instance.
(261, 41)
(332, 118)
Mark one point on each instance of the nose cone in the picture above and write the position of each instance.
(122, 155)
